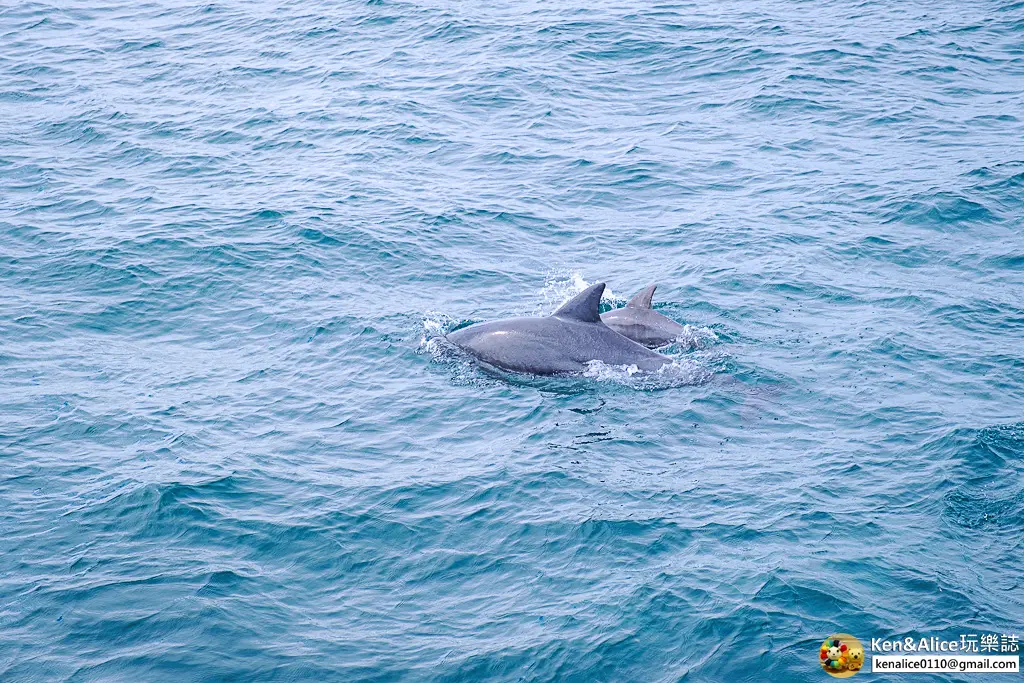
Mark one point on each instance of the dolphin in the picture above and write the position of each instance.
(562, 343)
(639, 322)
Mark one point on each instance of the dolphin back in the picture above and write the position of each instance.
(565, 342)
(640, 323)
(642, 299)
(585, 307)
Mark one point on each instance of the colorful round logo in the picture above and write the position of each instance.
(841, 655)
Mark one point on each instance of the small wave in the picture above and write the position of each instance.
(940, 210)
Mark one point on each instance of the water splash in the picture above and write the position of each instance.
(692, 338)
(433, 328)
(562, 285)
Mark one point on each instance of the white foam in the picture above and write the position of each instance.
(695, 337)
(436, 323)
(680, 372)
(434, 326)
(463, 369)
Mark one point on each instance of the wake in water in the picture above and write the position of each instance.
(684, 370)
(680, 372)
(692, 338)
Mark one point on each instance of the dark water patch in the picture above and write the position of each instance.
(895, 251)
(780, 105)
(137, 45)
(975, 509)
(1011, 261)
(940, 211)
(986, 452)
(977, 316)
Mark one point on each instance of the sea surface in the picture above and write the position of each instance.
(234, 445)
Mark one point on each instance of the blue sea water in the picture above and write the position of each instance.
(233, 448)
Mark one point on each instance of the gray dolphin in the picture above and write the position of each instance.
(562, 343)
(640, 323)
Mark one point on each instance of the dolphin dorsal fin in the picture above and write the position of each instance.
(642, 299)
(584, 307)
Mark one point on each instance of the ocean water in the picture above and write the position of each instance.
(234, 448)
